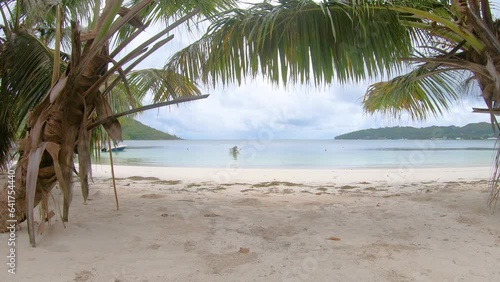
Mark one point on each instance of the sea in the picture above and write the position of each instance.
(305, 154)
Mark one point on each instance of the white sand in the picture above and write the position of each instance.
(184, 224)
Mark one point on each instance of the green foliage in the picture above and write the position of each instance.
(423, 92)
(298, 41)
(134, 130)
(25, 71)
(164, 85)
(481, 130)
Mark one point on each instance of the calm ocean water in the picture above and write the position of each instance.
(323, 154)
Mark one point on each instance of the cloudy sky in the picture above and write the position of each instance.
(258, 109)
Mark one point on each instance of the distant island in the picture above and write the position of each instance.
(134, 130)
(482, 130)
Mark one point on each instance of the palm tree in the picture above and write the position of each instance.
(51, 99)
(442, 47)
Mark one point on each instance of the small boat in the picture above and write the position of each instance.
(118, 148)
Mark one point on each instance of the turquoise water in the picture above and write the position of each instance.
(323, 154)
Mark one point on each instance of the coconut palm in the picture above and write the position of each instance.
(52, 99)
(431, 51)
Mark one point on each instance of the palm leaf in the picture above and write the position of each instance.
(31, 185)
(163, 85)
(26, 70)
(298, 41)
(37, 13)
(167, 12)
(423, 92)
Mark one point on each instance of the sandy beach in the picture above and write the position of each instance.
(198, 224)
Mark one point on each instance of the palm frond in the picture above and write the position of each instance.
(26, 70)
(33, 13)
(423, 92)
(163, 85)
(7, 131)
(298, 41)
(167, 12)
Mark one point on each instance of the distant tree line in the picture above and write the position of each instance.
(481, 130)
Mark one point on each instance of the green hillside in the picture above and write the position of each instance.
(481, 130)
(134, 130)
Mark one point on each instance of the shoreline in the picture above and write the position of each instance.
(253, 175)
